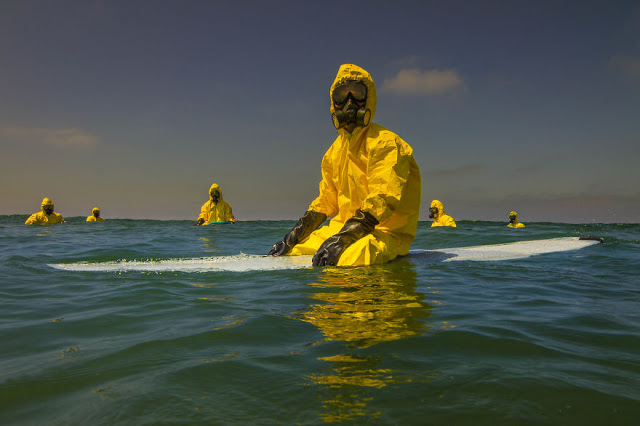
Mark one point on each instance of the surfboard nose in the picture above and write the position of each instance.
(591, 238)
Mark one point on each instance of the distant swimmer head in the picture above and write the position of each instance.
(436, 209)
(47, 206)
(215, 194)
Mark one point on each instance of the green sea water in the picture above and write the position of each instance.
(552, 339)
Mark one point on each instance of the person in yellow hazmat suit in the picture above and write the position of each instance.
(370, 186)
(513, 221)
(46, 215)
(95, 216)
(216, 209)
(436, 212)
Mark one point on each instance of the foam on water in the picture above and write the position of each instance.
(237, 263)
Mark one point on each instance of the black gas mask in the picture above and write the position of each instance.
(433, 212)
(512, 218)
(47, 209)
(215, 196)
(349, 103)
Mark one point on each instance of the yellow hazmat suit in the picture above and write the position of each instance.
(515, 223)
(219, 211)
(371, 169)
(441, 219)
(95, 217)
(42, 218)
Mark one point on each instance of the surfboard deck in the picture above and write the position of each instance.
(248, 262)
(506, 251)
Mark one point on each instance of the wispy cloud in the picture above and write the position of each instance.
(59, 138)
(414, 81)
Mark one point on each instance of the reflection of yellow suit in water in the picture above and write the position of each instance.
(364, 308)
(374, 170)
(369, 308)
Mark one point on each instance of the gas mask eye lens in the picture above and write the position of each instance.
(341, 92)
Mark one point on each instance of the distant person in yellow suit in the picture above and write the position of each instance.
(95, 216)
(370, 186)
(216, 209)
(513, 221)
(46, 216)
(436, 212)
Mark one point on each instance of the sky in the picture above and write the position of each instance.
(137, 107)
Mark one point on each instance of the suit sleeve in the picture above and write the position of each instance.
(327, 200)
(204, 212)
(389, 167)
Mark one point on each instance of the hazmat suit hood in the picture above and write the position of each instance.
(95, 210)
(515, 223)
(45, 202)
(216, 187)
(437, 204)
(354, 72)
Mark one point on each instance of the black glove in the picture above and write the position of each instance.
(305, 226)
(199, 222)
(360, 225)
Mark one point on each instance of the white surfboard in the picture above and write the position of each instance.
(247, 262)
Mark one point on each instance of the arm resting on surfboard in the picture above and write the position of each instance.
(303, 228)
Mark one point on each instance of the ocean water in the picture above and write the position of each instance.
(550, 339)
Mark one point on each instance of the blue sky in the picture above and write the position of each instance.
(138, 106)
